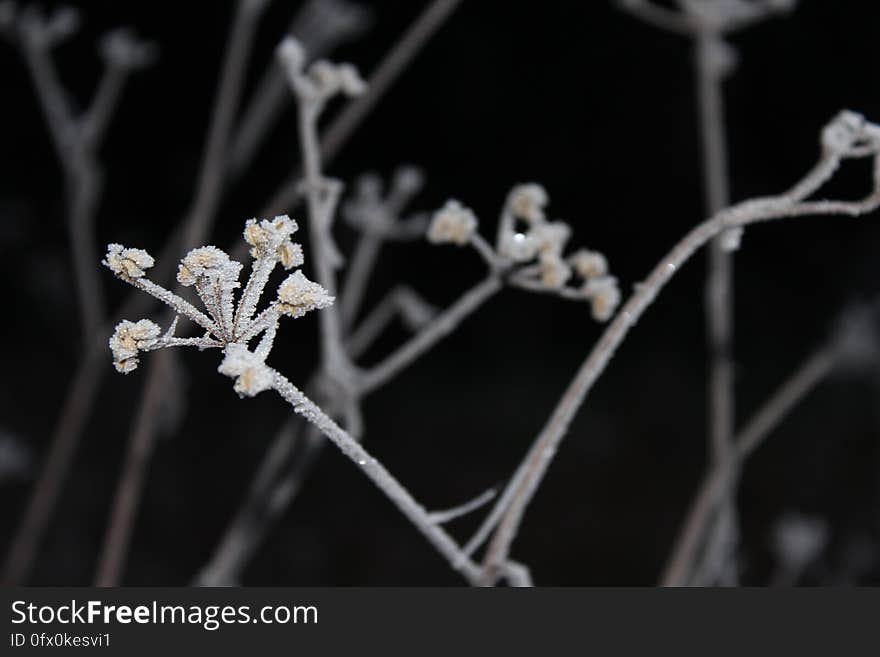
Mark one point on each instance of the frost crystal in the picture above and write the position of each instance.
(453, 223)
(251, 374)
(273, 237)
(297, 295)
(206, 262)
(128, 339)
(127, 263)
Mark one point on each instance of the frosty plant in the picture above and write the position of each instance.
(231, 327)
(532, 258)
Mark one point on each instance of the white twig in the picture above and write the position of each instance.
(447, 515)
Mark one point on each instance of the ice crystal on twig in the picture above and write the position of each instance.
(214, 275)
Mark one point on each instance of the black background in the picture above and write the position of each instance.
(600, 109)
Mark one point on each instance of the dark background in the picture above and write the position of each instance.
(600, 109)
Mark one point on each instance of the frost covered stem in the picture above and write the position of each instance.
(721, 481)
(287, 463)
(383, 479)
(440, 327)
(545, 445)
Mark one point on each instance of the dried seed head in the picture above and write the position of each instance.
(206, 262)
(527, 202)
(122, 48)
(453, 223)
(555, 272)
(128, 339)
(251, 374)
(324, 76)
(843, 133)
(297, 295)
(551, 238)
(350, 81)
(290, 255)
(604, 296)
(127, 263)
(273, 237)
(588, 264)
(292, 54)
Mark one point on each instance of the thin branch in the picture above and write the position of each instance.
(401, 302)
(657, 16)
(448, 515)
(424, 340)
